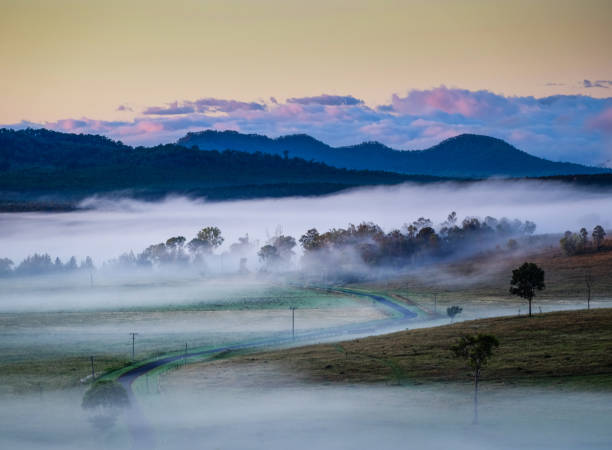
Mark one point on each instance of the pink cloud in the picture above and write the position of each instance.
(451, 101)
(602, 122)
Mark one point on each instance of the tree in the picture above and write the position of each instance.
(588, 281)
(6, 266)
(569, 243)
(476, 350)
(526, 280)
(268, 254)
(452, 311)
(104, 400)
(311, 240)
(284, 245)
(175, 242)
(242, 246)
(206, 240)
(598, 236)
(87, 264)
(512, 244)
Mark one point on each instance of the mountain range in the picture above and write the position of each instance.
(463, 156)
(44, 169)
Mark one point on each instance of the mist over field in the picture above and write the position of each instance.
(110, 227)
(323, 417)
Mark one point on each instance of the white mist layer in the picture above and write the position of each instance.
(112, 227)
(323, 418)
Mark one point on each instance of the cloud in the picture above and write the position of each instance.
(602, 122)
(170, 110)
(605, 84)
(327, 100)
(124, 108)
(451, 101)
(204, 105)
(572, 128)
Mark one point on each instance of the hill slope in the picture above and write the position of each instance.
(569, 347)
(467, 155)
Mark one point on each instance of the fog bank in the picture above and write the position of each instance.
(111, 227)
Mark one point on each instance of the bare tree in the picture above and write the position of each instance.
(588, 282)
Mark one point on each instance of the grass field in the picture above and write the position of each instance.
(484, 280)
(569, 347)
(44, 351)
(50, 350)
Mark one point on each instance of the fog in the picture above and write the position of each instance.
(110, 227)
(321, 417)
(73, 314)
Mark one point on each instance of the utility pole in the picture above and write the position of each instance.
(185, 355)
(133, 338)
(435, 303)
(93, 372)
(292, 308)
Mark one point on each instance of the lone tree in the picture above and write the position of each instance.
(476, 350)
(452, 311)
(598, 236)
(526, 280)
(104, 400)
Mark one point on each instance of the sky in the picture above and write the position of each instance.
(537, 73)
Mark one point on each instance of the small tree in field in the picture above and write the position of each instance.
(452, 311)
(526, 280)
(476, 350)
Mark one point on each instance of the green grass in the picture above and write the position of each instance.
(48, 351)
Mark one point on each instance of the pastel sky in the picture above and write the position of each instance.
(537, 73)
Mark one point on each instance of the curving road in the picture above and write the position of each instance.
(141, 432)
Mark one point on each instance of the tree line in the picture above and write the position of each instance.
(339, 249)
(38, 264)
(578, 243)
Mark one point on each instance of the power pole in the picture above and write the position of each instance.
(133, 339)
(93, 372)
(292, 308)
(435, 303)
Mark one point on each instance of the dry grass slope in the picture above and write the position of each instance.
(572, 347)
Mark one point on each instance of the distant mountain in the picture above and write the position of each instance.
(465, 156)
(43, 169)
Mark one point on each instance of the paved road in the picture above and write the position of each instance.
(141, 432)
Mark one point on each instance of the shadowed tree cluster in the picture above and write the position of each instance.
(42, 264)
(175, 250)
(368, 243)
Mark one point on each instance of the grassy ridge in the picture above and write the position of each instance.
(559, 347)
(484, 280)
